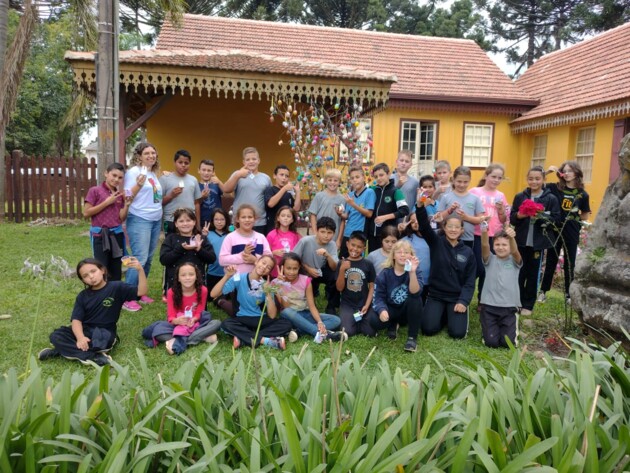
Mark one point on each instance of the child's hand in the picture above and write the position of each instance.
(176, 191)
(83, 343)
(380, 220)
(461, 308)
(205, 192)
(345, 264)
(206, 229)
(281, 273)
(243, 172)
(510, 231)
(321, 252)
(215, 180)
(415, 262)
(133, 262)
(249, 258)
(230, 270)
(461, 214)
(384, 316)
(348, 197)
(278, 252)
(321, 328)
(364, 309)
(312, 272)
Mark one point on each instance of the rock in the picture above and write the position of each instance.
(600, 292)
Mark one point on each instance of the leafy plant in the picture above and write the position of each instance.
(567, 414)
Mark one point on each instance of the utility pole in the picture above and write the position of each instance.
(107, 89)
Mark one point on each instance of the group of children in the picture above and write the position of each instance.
(429, 241)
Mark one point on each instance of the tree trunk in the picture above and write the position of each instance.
(12, 70)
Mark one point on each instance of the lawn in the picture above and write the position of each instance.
(37, 307)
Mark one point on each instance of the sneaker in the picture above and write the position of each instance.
(411, 345)
(293, 336)
(275, 342)
(132, 306)
(169, 346)
(526, 312)
(146, 300)
(542, 297)
(236, 343)
(336, 336)
(47, 354)
(101, 359)
(567, 299)
(211, 339)
(392, 332)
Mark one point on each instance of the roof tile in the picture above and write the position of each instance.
(426, 67)
(589, 73)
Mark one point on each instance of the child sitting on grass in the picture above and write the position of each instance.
(500, 296)
(297, 303)
(397, 295)
(96, 311)
(256, 322)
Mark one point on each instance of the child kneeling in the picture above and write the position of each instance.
(500, 295)
(297, 303)
(249, 300)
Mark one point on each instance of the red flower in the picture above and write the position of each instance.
(530, 208)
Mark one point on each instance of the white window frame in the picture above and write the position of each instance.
(539, 151)
(585, 150)
(422, 128)
(478, 143)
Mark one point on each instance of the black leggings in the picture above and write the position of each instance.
(433, 319)
(244, 328)
(529, 275)
(410, 312)
(551, 262)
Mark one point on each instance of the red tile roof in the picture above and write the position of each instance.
(586, 74)
(427, 68)
(236, 60)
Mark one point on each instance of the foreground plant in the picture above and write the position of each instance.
(564, 415)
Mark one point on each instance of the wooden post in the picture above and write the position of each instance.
(107, 84)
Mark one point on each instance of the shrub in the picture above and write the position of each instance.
(295, 415)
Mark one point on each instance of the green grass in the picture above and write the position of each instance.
(21, 296)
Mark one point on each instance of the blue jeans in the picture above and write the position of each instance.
(144, 236)
(304, 323)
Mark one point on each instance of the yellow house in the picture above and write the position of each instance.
(208, 85)
(584, 109)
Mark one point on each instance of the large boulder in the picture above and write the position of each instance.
(600, 292)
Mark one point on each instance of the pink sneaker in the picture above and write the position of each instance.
(132, 306)
(146, 300)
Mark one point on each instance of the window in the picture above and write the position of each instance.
(584, 149)
(539, 153)
(477, 145)
(419, 138)
(364, 131)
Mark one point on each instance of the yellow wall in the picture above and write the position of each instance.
(561, 147)
(450, 137)
(219, 129)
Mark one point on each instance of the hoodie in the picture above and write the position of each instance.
(545, 224)
(389, 199)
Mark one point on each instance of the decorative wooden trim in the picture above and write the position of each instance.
(458, 107)
(587, 115)
(135, 77)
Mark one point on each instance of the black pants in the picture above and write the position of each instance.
(411, 313)
(332, 294)
(570, 253)
(481, 269)
(65, 344)
(262, 229)
(498, 323)
(113, 265)
(438, 313)
(353, 327)
(244, 328)
(528, 276)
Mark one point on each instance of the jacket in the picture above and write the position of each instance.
(389, 199)
(545, 225)
(453, 268)
(172, 254)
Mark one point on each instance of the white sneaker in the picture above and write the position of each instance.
(542, 297)
(293, 336)
(169, 346)
(526, 312)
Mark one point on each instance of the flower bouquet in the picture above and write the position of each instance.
(530, 208)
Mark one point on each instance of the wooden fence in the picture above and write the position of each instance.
(37, 187)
